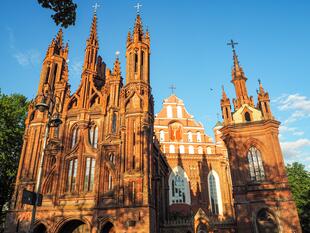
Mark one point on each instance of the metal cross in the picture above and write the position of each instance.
(138, 6)
(232, 44)
(172, 87)
(96, 6)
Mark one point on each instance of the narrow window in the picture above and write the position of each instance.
(215, 193)
(110, 184)
(247, 116)
(114, 118)
(182, 150)
(89, 174)
(200, 150)
(136, 63)
(209, 150)
(74, 138)
(198, 137)
(171, 149)
(256, 168)
(191, 150)
(47, 74)
(162, 136)
(169, 111)
(71, 175)
(179, 112)
(93, 136)
(190, 136)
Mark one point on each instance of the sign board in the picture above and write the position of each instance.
(29, 198)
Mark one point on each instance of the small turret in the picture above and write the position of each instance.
(226, 108)
(264, 102)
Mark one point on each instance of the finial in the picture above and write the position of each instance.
(259, 81)
(96, 6)
(117, 53)
(138, 6)
(172, 87)
(232, 44)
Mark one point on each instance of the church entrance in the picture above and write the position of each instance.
(108, 228)
(74, 226)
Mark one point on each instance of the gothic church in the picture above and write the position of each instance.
(113, 166)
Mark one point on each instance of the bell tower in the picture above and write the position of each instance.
(262, 196)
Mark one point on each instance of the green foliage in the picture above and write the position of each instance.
(299, 180)
(65, 11)
(13, 110)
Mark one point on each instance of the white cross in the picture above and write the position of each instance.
(96, 6)
(138, 6)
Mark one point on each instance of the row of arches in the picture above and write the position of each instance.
(176, 134)
(75, 226)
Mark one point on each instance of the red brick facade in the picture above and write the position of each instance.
(113, 166)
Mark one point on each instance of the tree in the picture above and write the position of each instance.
(299, 180)
(13, 110)
(65, 11)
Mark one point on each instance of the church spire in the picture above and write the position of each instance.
(239, 81)
(92, 46)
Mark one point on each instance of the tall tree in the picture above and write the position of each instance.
(299, 179)
(65, 11)
(13, 110)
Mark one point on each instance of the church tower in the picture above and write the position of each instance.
(262, 197)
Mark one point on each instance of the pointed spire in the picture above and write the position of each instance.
(93, 39)
(59, 38)
(261, 89)
(117, 65)
(138, 29)
(224, 96)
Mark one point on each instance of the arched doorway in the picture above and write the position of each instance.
(74, 226)
(40, 228)
(266, 222)
(108, 228)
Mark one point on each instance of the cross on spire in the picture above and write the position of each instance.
(96, 6)
(172, 87)
(138, 6)
(232, 44)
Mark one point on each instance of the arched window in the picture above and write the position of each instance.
(209, 150)
(162, 136)
(191, 150)
(179, 191)
(110, 181)
(89, 174)
(200, 150)
(182, 150)
(93, 136)
(74, 137)
(190, 136)
(71, 175)
(112, 158)
(256, 168)
(179, 112)
(266, 222)
(215, 193)
(169, 111)
(114, 118)
(247, 116)
(198, 137)
(171, 149)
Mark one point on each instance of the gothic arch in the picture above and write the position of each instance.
(266, 221)
(69, 224)
(213, 179)
(253, 142)
(181, 193)
(40, 227)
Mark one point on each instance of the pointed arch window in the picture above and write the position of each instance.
(89, 174)
(112, 158)
(171, 149)
(256, 168)
(179, 191)
(93, 136)
(114, 118)
(215, 193)
(75, 136)
(71, 175)
(247, 116)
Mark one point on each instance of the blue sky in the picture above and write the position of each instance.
(188, 43)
